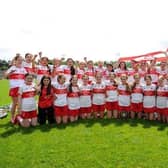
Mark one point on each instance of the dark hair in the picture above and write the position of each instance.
(125, 66)
(70, 85)
(148, 76)
(109, 64)
(16, 57)
(29, 74)
(59, 77)
(72, 69)
(49, 69)
(48, 87)
(27, 54)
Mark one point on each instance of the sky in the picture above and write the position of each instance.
(96, 29)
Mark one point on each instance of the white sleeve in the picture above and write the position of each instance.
(12, 68)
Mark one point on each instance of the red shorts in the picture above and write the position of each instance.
(149, 110)
(29, 114)
(124, 108)
(84, 110)
(162, 111)
(61, 111)
(111, 106)
(13, 92)
(137, 107)
(73, 113)
(98, 108)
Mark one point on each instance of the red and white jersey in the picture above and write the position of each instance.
(85, 95)
(98, 91)
(28, 67)
(60, 92)
(106, 74)
(137, 94)
(162, 72)
(131, 74)
(119, 72)
(111, 92)
(17, 76)
(41, 71)
(28, 101)
(101, 70)
(73, 99)
(67, 72)
(56, 71)
(123, 96)
(154, 74)
(142, 74)
(91, 74)
(149, 92)
(80, 73)
(162, 97)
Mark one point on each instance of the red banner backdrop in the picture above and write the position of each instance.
(157, 55)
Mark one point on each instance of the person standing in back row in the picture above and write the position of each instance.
(16, 75)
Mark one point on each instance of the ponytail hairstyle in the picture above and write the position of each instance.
(49, 87)
(70, 85)
(72, 69)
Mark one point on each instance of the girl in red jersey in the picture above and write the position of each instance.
(98, 97)
(45, 103)
(161, 99)
(15, 74)
(73, 99)
(112, 97)
(60, 102)
(149, 98)
(27, 109)
(85, 98)
(136, 97)
(124, 95)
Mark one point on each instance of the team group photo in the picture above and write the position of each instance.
(83, 84)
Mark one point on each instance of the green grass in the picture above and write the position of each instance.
(4, 98)
(85, 144)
